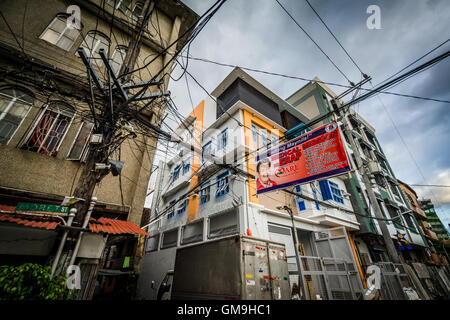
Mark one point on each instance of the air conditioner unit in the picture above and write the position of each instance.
(374, 167)
(96, 138)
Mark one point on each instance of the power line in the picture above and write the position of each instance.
(348, 55)
(430, 185)
(311, 80)
(295, 21)
(418, 59)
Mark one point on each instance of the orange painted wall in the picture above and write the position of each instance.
(250, 162)
(197, 113)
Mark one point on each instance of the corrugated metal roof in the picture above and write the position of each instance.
(115, 227)
(34, 222)
(102, 225)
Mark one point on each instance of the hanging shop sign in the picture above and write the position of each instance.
(315, 155)
(42, 208)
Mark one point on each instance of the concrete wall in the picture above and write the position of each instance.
(34, 172)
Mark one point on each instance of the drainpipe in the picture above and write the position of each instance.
(85, 224)
(72, 215)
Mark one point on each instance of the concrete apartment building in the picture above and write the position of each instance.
(247, 116)
(45, 122)
(433, 219)
(314, 99)
(435, 253)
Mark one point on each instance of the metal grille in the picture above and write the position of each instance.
(50, 130)
(326, 278)
(393, 279)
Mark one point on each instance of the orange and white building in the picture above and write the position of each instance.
(196, 199)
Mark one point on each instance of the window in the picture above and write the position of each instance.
(80, 146)
(59, 34)
(170, 239)
(410, 222)
(274, 140)
(222, 185)
(206, 150)
(192, 232)
(336, 192)
(117, 58)
(223, 224)
(137, 11)
(182, 208)
(255, 136)
(172, 209)
(313, 188)
(264, 138)
(122, 5)
(152, 243)
(300, 202)
(222, 139)
(396, 219)
(14, 106)
(92, 43)
(186, 167)
(325, 190)
(205, 191)
(50, 129)
(395, 190)
(176, 172)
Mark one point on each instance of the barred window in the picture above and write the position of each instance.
(14, 106)
(205, 192)
(59, 34)
(50, 129)
(222, 184)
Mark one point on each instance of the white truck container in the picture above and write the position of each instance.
(236, 267)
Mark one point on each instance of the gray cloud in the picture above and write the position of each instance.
(258, 34)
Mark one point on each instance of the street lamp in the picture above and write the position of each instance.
(296, 243)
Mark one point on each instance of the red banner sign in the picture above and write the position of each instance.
(315, 155)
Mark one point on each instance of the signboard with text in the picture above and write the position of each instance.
(315, 155)
(42, 208)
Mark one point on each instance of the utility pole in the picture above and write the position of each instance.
(107, 127)
(135, 43)
(392, 252)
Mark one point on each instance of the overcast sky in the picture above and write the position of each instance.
(259, 34)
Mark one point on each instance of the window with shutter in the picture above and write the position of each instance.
(81, 143)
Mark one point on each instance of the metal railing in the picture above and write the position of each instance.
(326, 278)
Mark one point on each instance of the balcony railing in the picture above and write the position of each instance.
(332, 217)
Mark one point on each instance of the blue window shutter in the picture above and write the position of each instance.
(325, 190)
(301, 205)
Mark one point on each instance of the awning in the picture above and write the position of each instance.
(101, 225)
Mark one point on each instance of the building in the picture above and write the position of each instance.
(45, 122)
(425, 227)
(433, 219)
(315, 99)
(197, 200)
